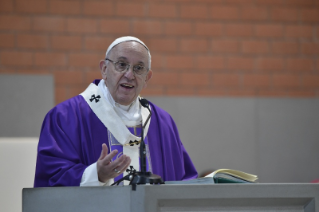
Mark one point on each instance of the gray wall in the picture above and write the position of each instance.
(24, 101)
(277, 139)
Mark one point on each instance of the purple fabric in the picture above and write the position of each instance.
(71, 139)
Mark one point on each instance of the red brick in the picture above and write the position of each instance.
(75, 90)
(160, 10)
(270, 64)
(91, 75)
(284, 14)
(50, 24)
(66, 42)
(61, 93)
(162, 44)
(65, 7)
(31, 6)
(241, 92)
(311, 15)
(179, 62)
(285, 48)
(16, 58)
(275, 92)
(255, 47)
(85, 60)
(225, 80)
(64, 78)
(152, 91)
(97, 43)
(225, 46)
(50, 59)
(270, 2)
(6, 70)
(297, 31)
(32, 41)
(193, 11)
(177, 28)
(147, 27)
(297, 3)
(269, 30)
(41, 71)
(157, 61)
(194, 79)
(208, 29)
(6, 6)
(310, 81)
(193, 45)
(238, 2)
(180, 91)
(300, 64)
(240, 63)
(98, 8)
(239, 30)
(14, 22)
(134, 9)
(7, 40)
(82, 25)
(210, 62)
(212, 92)
(285, 81)
(256, 80)
(310, 48)
(115, 26)
(224, 12)
(301, 93)
(254, 13)
(165, 78)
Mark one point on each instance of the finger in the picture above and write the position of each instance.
(108, 158)
(122, 163)
(104, 151)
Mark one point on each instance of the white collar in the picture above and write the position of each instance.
(130, 114)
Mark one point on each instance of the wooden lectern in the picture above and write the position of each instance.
(150, 198)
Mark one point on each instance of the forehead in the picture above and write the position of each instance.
(130, 50)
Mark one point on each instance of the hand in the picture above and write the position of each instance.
(106, 168)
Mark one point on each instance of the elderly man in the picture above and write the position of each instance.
(91, 139)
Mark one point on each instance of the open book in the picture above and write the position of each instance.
(220, 176)
(231, 176)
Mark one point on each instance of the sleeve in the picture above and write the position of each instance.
(90, 178)
(59, 161)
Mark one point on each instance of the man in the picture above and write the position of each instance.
(91, 139)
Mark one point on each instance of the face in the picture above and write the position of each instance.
(126, 86)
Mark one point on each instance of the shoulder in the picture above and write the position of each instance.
(161, 115)
(68, 107)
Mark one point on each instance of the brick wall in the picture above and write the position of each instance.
(254, 48)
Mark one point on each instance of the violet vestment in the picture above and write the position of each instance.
(72, 136)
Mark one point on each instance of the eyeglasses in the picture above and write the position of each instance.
(121, 66)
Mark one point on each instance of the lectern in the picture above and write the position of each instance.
(150, 198)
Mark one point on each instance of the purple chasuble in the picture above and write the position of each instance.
(71, 139)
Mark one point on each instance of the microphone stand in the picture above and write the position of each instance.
(144, 177)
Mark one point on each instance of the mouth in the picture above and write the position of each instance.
(127, 86)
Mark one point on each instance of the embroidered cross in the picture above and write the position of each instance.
(96, 98)
(131, 143)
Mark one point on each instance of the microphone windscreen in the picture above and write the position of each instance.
(144, 102)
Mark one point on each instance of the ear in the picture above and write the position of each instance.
(148, 77)
(103, 69)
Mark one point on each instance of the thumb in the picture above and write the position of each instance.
(104, 151)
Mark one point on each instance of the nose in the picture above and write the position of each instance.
(129, 73)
